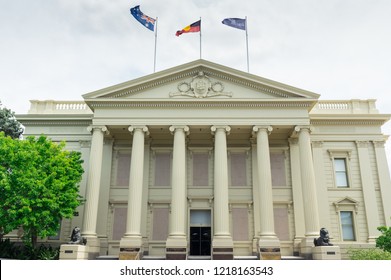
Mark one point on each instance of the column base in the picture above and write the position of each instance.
(130, 248)
(176, 248)
(269, 248)
(326, 253)
(306, 246)
(222, 248)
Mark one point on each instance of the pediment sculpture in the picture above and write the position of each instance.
(201, 87)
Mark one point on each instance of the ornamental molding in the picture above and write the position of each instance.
(56, 122)
(200, 86)
(201, 104)
(347, 122)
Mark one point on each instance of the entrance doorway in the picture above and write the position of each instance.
(200, 232)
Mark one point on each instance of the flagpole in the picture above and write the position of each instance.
(154, 57)
(200, 39)
(248, 66)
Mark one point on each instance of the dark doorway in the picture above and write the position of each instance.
(200, 241)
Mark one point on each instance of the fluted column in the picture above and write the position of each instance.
(133, 238)
(308, 182)
(222, 240)
(176, 246)
(269, 244)
(93, 181)
(93, 189)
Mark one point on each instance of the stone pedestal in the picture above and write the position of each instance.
(269, 249)
(222, 248)
(73, 252)
(326, 253)
(129, 254)
(176, 248)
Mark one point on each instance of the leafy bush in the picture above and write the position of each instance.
(384, 240)
(9, 250)
(369, 254)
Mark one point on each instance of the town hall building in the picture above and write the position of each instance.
(205, 161)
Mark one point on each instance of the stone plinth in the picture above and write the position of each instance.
(73, 252)
(326, 253)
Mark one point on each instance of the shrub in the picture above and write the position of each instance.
(369, 254)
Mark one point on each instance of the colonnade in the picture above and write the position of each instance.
(222, 243)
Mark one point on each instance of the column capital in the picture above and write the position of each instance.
(379, 143)
(362, 144)
(259, 128)
(299, 128)
(226, 128)
(102, 128)
(185, 128)
(143, 128)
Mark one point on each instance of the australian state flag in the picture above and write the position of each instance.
(145, 20)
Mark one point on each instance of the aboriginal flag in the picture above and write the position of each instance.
(194, 27)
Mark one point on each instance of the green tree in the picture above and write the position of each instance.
(384, 240)
(38, 186)
(8, 123)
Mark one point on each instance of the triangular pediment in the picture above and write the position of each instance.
(199, 80)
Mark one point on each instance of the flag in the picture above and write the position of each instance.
(194, 27)
(145, 20)
(239, 23)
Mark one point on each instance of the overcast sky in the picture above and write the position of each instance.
(62, 49)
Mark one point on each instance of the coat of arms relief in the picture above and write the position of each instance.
(201, 87)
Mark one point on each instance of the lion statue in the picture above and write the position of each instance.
(323, 240)
(76, 237)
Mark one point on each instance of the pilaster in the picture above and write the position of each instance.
(384, 179)
(368, 188)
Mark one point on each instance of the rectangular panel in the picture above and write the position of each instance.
(238, 169)
(200, 169)
(160, 224)
(163, 169)
(240, 224)
(281, 223)
(119, 224)
(123, 169)
(277, 165)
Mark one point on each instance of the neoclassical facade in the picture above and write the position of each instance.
(205, 161)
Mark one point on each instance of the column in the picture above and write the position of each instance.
(308, 184)
(131, 243)
(93, 188)
(222, 241)
(297, 193)
(176, 245)
(368, 189)
(384, 179)
(269, 244)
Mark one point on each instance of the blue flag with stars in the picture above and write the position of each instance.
(145, 20)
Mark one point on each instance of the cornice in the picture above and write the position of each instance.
(352, 122)
(38, 122)
(164, 103)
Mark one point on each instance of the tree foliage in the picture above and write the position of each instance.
(8, 123)
(38, 185)
(384, 240)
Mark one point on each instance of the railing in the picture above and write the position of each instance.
(58, 107)
(354, 106)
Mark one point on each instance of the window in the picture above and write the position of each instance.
(341, 176)
(347, 226)
(160, 223)
(240, 224)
